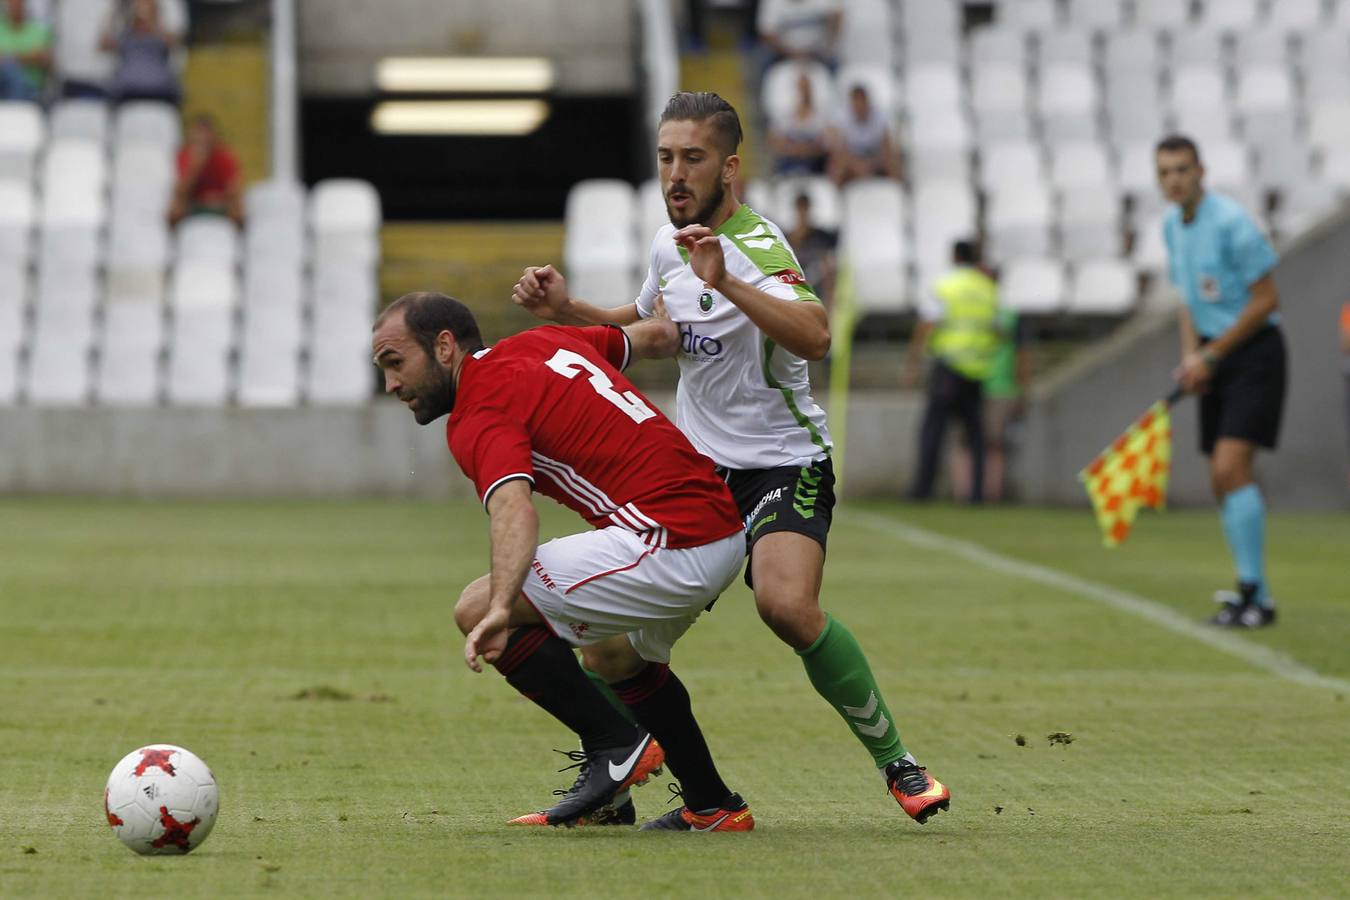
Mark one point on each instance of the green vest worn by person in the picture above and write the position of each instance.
(966, 337)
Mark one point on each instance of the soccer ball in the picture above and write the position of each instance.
(161, 799)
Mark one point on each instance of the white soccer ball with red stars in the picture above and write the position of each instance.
(161, 799)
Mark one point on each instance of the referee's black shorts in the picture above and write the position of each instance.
(1246, 395)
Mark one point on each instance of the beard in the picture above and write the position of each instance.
(435, 398)
(701, 215)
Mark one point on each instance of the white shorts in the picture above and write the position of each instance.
(594, 585)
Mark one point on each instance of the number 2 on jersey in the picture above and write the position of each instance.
(570, 365)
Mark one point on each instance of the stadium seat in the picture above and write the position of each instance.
(761, 195)
(1161, 14)
(1133, 109)
(944, 212)
(1196, 47)
(933, 87)
(58, 360)
(999, 99)
(345, 217)
(207, 237)
(143, 177)
(148, 122)
(273, 199)
(1089, 223)
(1033, 285)
(1010, 162)
(1196, 86)
(600, 251)
(269, 359)
(1260, 47)
(22, 132)
(1027, 14)
(1132, 51)
(1329, 124)
(1289, 15)
(872, 243)
(1018, 220)
(652, 216)
(778, 95)
(1081, 164)
(1138, 170)
(1302, 205)
(1096, 15)
(1334, 169)
(1324, 50)
(1149, 254)
(1325, 83)
(1204, 124)
(203, 295)
(81, 119)
(133, 336)
(1264, 87)
(1226, 163)
(932, 45)
(13, 306)
(1102, 287)
(1067, 102)
(939, 147)
(1282, 160)
(1229, 15)
(999, 45)
(18, 213)
(1063, 46)
(865, 36)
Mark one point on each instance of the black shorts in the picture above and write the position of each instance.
(796, 499)
(1246, 395)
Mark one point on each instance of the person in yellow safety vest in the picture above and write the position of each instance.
(958, 324)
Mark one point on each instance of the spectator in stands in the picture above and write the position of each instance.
(799, 142)
(25, 53)
(958, 326)
(800, 29)
(143, 46)
(814, 247)
(209, 179)
(862, 146)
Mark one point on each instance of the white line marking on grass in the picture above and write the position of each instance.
(1262, 657)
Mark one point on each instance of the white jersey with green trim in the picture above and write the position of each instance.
(742, 400)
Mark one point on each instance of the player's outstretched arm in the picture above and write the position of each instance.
(802, 329)
(515, 538)
(542, 290)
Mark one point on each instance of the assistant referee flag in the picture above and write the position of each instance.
(1131, 473)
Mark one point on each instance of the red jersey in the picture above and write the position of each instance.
(217, 177)
(550, 405)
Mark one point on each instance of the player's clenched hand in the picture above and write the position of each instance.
(487, 639)
(541, 290)
(705, 253)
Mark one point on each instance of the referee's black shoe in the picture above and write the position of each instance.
(1236, 611)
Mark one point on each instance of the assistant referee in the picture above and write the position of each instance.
(1232, 355)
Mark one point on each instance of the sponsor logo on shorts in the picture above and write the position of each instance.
(775, 494)
(543, 576)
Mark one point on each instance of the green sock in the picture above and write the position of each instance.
(612, 697)
(839, 673)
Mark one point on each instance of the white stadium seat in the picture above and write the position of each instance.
(1033, 285)
(203, 295)
(1149, 253)
(13, 305)
(778, 95)
(1010, 162)
(207, 237)
(77, 55)
(866, 33)
(1156, 14)
(148, 122)
(944, 212)
(826, 204)
(1067, 46)
(600, 251)
(1018, 220)
(1102, 287)
(999, 45)
(872, 243)
(1295, 14)
(132, 343)
(82, 119)
(269, 363)
(1028, 14)
(22, 132)
(1229, 15)
(1096, 15)
(1089, 223)
(18, 213)
(1082, 164)
(652, 215)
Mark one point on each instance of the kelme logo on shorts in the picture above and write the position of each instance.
(705, 302)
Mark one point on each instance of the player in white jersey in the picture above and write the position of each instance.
(748, 324)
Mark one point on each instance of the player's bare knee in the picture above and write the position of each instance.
(472, 604)
(613, 659)
(792, 615)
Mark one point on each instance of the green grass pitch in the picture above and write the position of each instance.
(306, 652)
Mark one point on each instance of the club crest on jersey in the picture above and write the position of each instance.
(705, 301)
(1209, 288)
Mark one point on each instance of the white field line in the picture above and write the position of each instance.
(1273, 661)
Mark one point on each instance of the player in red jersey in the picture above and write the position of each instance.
(549, 410)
